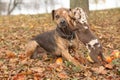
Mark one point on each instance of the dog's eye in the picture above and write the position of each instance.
(57, 16)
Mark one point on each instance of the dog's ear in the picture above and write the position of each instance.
(53, 14)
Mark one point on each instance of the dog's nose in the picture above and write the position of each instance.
(62, 22)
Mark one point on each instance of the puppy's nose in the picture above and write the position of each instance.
(62, 22)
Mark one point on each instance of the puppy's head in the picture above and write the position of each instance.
(79, 15)
(61, 17)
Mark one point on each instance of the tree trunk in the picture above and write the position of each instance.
(80, 3)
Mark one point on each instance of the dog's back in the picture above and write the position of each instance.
(46, 40)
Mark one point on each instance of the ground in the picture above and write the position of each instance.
(16, 31)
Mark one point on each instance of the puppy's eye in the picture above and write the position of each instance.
(57, 16)
(74, 13)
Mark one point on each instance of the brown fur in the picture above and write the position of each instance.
(58, 41)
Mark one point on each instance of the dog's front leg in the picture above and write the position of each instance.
(67, 56)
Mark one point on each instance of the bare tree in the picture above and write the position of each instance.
(2, 7)
(12, 5)
(46, 5)
(52, 4)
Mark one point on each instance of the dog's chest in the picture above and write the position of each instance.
(71, 43)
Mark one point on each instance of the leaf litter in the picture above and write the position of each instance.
(16, 31)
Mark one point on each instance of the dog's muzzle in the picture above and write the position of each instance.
(63, 23)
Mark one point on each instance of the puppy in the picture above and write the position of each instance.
(85, 35)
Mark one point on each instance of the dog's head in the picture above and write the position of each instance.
(62, 18)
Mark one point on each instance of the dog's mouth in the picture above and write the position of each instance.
(64, 28)
(65, 32)
(63, 25)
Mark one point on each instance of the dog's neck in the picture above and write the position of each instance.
(66, 33)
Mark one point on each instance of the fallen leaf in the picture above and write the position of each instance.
(115, 53)
(38, 69)
(59, 61)
(63, 75)
(38, 76)
(109, 66)
(13, 60)
(4, 67)
(59, 68)
(21, 56)
(1, 63)
(24, 62)
(87, 73)
(89, 59)
(99, 70)
(109, 59)
(10, 54)
(19, 77)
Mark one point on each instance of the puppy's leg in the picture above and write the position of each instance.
(102, 57)
(30, 48)
(94, 56)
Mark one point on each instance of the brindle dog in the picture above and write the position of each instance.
(85, 35)
(57, 41)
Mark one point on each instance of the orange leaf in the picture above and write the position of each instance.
(63, 75)
(38, 76)
(10, 54)
(108, 59)
(59, 61)
(19, 77)
(21, 56)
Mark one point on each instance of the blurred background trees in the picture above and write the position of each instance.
(12, 5)
(8, 7)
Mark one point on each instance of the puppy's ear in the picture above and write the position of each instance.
(71, 14)
(53, 14)
(70, 9)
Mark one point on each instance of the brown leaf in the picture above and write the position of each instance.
(19, 77)
(38, 69)
(24, 62)
(13, 60)
(21, 56)
(38, 76)
(1, 63)
(55, 66)
(109, 66)
(100, 70)
(59, 68)
(63, 75)
(10, 54)
(4, 67)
